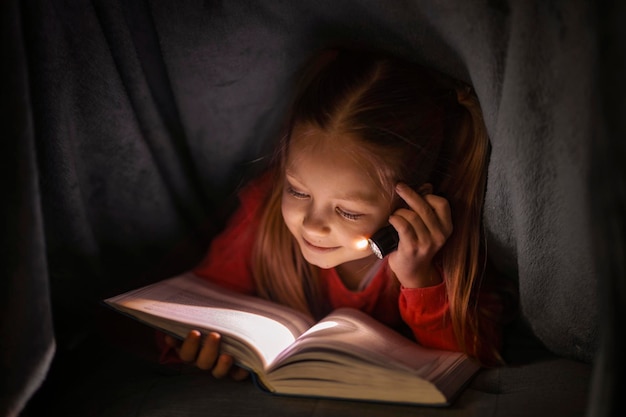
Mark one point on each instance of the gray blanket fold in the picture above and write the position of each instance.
(127, 124)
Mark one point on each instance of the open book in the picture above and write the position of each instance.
(346, 355)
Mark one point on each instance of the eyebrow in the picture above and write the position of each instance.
(356, 196)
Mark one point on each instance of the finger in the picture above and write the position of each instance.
(441, 208)
(415, 238)
(189, 349)
(406, 231)
(239, 374)
(209, 352)
(420, 205)
(222, 366)
(416, 202)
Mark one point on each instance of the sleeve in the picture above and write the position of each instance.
(427, 312)
(228, 260)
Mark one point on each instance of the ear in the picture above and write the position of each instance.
(426, 188)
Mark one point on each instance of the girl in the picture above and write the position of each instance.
(371, 141)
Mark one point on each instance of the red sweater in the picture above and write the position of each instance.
(424, 310)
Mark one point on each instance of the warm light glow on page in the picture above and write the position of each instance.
(261, 331)
(321, 326)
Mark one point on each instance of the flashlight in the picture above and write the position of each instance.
(384, 241)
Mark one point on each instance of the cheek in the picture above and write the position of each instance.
(351, 234)
(290, 213)
(364, 231)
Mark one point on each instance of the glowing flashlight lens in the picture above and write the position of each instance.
(374, 247)
(384, 241)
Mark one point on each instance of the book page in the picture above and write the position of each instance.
(349, 332)
(351, 378)
(265, 327)
(351, 355)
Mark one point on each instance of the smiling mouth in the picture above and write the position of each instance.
(319, 248)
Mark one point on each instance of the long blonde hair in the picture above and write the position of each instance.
(415, 126)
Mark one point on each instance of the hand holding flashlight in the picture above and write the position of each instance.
(422, 228)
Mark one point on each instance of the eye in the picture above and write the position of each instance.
(347, 214)
(296, 193)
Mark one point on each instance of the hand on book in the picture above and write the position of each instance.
(348, 354)
(206, 355)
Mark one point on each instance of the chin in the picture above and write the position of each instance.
(320, 264)
(319, 261)
(329, 263)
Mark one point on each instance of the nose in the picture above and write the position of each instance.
(315, 222)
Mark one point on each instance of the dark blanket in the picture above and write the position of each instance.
(128, 124)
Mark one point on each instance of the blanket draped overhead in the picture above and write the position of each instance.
(126, 124)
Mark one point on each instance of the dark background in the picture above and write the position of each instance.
(128, 125)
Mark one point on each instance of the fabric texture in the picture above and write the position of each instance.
(128, 124)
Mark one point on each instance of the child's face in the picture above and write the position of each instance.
(329, 200)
